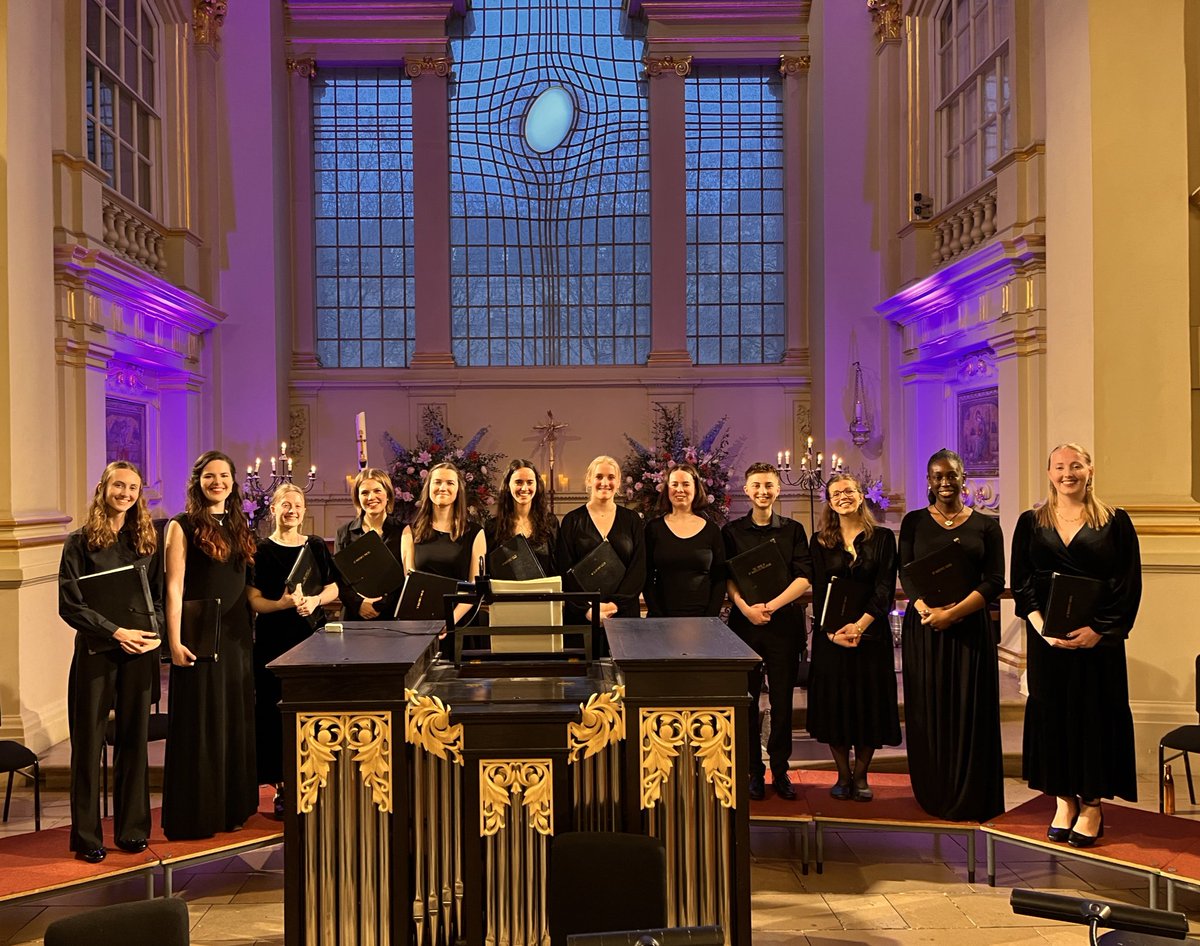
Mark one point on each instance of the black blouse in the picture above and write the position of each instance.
(578, 536)
(546, 552)
(684, 577)
(874, 566)
(351, 599)
(442, 555)
(979, 537)
(1110, 554)
(78, 560)
(273, 563)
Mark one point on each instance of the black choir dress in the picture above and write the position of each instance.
(103, 677)
(952, 680)
(852, 690)
(275, 633)
(684, 577)
(209, 782)
(546, 552)
(577, 536)
(351, 600)
(1078, 726)
(442, 555)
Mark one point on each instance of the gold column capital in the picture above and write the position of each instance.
(886, 15)
(709, 732)
(415, 66)
(427, 726)
(601, 723)
(794, 65)
(500, 779)
(208, 16)
(657, 65)
(305, 68)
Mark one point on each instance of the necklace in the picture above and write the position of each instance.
(948, 522)
(1072, 522)
(220, 518)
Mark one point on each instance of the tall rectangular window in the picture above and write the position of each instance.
(734, 177)
(363, 231)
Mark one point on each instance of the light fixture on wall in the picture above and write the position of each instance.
(860, 429)
(259, 493)
(922, 206)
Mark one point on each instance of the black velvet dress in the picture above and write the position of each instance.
(684, 577)
(275, 633)
(951, 680)
(442, 555)
(1078, 727)
(209, 782)
(852, 690)
(546, 552)
(578, 536)
(351, 600)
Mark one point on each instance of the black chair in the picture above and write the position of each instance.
(1183, 740)
(156, 733)
(14, 759)
(603, 882)
(162, 922)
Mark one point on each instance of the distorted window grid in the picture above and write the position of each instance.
(734, 179)
(120, 122)
(363, 226)
(550, 253)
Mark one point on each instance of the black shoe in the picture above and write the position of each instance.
(278, 805)
(784, 787)
(862, 791)
(1058, 835)
(758, 788)
(136, 846)
(1075, 839)
(842, 791)
(94, 856)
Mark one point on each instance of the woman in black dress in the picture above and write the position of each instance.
(208, 774)
(442, 540)
(286, 616)
(524, 510)
(112, 666)
(852, 681)
(374, 498)
(951, 672)
(1078, 742)
(685, 554)
(600, 519)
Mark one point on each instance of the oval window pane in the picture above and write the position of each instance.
(548, 120)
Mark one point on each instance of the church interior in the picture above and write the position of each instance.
(854, 229)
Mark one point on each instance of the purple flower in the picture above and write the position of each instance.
(406, 496)
(708, 498)
(424, 457)
(248, 507)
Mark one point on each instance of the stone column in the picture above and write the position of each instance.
(430, 77)
(794, 70)
(301, 72)
(668, 210)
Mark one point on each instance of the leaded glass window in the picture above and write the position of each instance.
(735, 279)
(363, 229)
(549, 186)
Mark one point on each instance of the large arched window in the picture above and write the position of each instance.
(121, 72)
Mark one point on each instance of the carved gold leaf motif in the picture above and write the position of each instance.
(708, 731)
(318, 738)
(657, 65)
(602, 722)
(370, 739)
(500, 779)
(427, 725)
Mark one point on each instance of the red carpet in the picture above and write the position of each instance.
(42, 862)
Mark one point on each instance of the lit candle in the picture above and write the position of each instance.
(249, 470)
(282, 448)
(779, 458)
(787, 458)
(289, 464)
(563, 481)
(312, 470)
(272, 466)
(804, 461)
(545, 480)
(820, 459)
(810, 443)
(257, 463)
(360, 436)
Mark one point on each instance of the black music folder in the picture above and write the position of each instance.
(423, 597)
(1072, 604)
(600, 570)
(200, 628)
(369, 566)
(302, 571)
(122, 595)
(845, 602)
(942, 577)
(760, 573)
(514, 560)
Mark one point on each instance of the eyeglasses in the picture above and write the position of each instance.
(838, 494)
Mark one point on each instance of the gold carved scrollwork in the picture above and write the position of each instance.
(415, 66)
(320, 736)
(886, 16)
(710, 734)
(207, 19)
(657, 65)
(427, 726)
(499, 779)
(602, 722)
(305, 68)
(794, 65)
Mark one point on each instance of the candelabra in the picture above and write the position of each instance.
(258, 493)
(811, 475)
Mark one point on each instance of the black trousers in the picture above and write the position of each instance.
(778, 644)
(98, 683)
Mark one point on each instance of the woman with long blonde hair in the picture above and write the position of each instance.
(1078, 744)
(113, 666)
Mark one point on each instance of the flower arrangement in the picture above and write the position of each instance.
(436, 444)
(646, 469)
(875, 494)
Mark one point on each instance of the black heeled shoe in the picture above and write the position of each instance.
(1063, 835)
(842, 791)
(1075, 839)
(862, 791)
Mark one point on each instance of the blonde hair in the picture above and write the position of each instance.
(282, 491)
(592, 467)
(1096, 512)
(830, 532)
(379, 476)
(139, 525)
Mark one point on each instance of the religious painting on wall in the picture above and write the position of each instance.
(125, 431)
(979, 431)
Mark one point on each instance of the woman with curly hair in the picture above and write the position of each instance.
(522, 509)
(112, 666)
(209, 782)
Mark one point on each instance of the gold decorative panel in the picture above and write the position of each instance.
(500, 779)
(427, 725)
(320, 736)
(601, 724)
(708, 732)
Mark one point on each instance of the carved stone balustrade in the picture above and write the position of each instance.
(962, 227)
(133, 236)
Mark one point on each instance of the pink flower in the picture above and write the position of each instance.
(424, 474)
(424, 457)
(411, 470)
